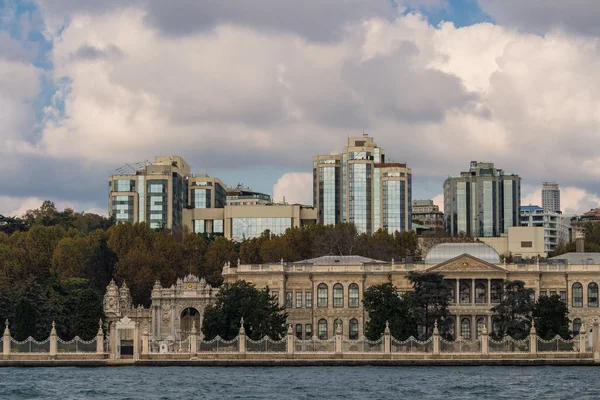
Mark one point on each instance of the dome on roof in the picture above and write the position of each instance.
(447, 251)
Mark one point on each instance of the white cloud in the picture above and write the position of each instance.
(250, 92)
(17, 206)
(295, 187)
(573, 200)
(438, 200)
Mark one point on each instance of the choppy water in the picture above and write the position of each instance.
(346, 383)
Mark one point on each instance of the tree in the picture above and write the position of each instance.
(9, 225)
(551, 316)
(513, 314)
(339, 240)
(429, 302)
(71, 258)
(382, 303)
(260, 310)
(219, 252)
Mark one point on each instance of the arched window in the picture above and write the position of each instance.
(465, 328)
(338, 324)
(353, 329)
(577, 295)
(353, 295)
(451, 294)
(308, 331)
(593, 294)
(480, 325)
(322, 295)
(465, 293)
(338, 295)
(496, 292)
(480, 294)
(576, 326)
(322, 329)
(299, 331)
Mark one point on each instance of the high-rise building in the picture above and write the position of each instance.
(360, 187)
(166, 195)
(153, 193)
(551, 196)
(482, 202)
(556, 226)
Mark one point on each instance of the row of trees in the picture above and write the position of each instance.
(415, 313)
(49, 259)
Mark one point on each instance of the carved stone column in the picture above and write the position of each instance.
(485, 349)
(473, 291)
(242, 338)
(532, 339)
(457, 291)
(100, 339)
(53, 341)
(436, 338)
(387, 339)
(290, 341)
(6, 342)
(489, 292)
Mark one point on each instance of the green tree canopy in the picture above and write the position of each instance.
(429, 302)
(513, 314)
(262, 315)
(551, 316)
(382, 303)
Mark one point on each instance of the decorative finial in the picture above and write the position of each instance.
(6, 323)
(484, 330)
(242, 321)
(386, 331)
(53, 331)
(6, 330)
(290, 331)
(436, 331)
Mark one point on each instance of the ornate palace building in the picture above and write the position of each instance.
(326, 292)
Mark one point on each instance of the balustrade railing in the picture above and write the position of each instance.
(412, 345)
(363, 345)
(76, 345)
(218, 345)
(460, 346)
(30, 345)
(509, 345)
(266, 345)
(314, 345)
(558, 345)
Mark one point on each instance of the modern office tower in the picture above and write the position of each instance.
(206, 193)
(556, 226)
(360, 187)
(551, 196)
(153, 193)
(482, 202)
(425, 213)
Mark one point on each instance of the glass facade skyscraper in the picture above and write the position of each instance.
(359, 187)
(483, 202)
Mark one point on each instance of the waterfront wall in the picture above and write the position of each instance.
(583, 347)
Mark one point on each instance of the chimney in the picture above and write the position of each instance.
(579, 241)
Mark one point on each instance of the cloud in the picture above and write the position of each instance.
(245, 89)
(438, 200)
(295, 187)
(18, 206)
(573, 200)
(580, 16)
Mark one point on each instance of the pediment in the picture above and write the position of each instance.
(466, 262)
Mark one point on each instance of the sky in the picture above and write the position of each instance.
(250, 91)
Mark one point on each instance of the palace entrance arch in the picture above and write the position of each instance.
(190, 317)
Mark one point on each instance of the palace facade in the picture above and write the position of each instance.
(323, 293)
